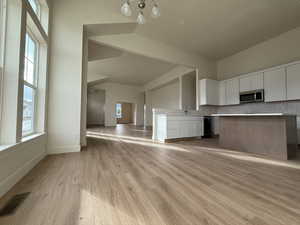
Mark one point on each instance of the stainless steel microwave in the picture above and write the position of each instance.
(252, 96)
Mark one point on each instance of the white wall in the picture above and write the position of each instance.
(164, 84)
(282, 49)
(17, 161)
(115, 93)
(166, 97)
(95, 107)
(188, 94)
(168, 77)
(66, 82)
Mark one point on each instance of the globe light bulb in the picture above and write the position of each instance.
(126, 10)
(141, 19)
(155, 11)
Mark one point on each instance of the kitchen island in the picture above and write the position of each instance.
(176, 125)
(273, 135)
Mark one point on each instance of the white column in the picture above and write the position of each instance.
(148, 113)
(180, 92)
(154, 126)
(197, 90)
(84, 88)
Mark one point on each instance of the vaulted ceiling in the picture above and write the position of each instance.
(217, 29)
(213, 29)
(123, 67)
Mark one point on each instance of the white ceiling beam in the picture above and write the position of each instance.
(168, 77)
(139, 45)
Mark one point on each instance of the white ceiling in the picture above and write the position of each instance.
(211, 28)
(127, 68)
(219, 28)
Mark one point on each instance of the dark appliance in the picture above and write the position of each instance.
(208, 127)
(252, 96)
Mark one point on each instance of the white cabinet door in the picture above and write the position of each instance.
(203, 91)
(293, 82)
(222, 93)
(173, 129)
(251, 82)
(161, 127)
(212, 92)
(275, 85)
(199, 128)
(232, 92)
(257, 81)
(209, 92)
(245, 84)
(192, 128)
(184, 129)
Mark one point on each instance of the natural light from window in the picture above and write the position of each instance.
(35, 5)
(119, 111)
(30, 58)
(30, 85)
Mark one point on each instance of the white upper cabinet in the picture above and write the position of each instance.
(245, 84)
(232, 92)
(258, 81)
(214, 92)
(251, 82)
(222, 92)
(209, 92)
(293, 82)
(275, 85)
(280, 83)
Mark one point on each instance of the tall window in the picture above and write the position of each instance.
(30, 85)
(119, 111)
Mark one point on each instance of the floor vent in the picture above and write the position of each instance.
(13, 204)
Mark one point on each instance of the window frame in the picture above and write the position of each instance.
(2, 30)
(119, 116)
(11, 108)
(38, 8)
(3, 9)
(33, 86)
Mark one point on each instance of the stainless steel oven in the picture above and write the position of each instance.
(252, 96)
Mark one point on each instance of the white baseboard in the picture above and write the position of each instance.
(63, 149)
(14, 178)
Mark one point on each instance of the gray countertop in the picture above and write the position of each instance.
(252, 114)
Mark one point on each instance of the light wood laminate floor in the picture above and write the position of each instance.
(125, 178)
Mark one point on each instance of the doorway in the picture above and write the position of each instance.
(95, 107)
(124, 113)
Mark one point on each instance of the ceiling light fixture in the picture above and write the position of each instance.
(126, 9)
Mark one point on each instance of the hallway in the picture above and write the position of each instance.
(125, 178)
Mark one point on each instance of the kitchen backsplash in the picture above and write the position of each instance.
(208, 110)
(278, 107)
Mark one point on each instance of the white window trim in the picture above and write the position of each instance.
(38, 11)
(3, 6)
(2, 30)
(33, 131)
(37, 55)
(16, 137)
